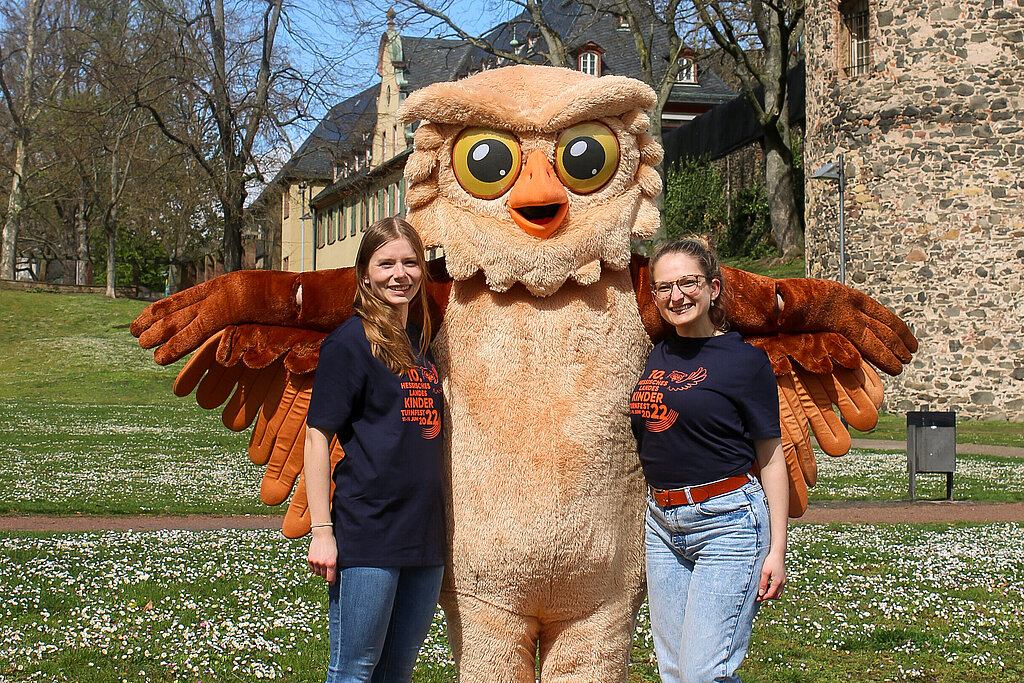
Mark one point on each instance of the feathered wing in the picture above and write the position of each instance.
(817, 372)
(818, 369)
(263, 374)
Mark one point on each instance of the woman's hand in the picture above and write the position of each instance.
(323, 553)
(773, 577)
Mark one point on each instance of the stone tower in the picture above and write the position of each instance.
(924, 100)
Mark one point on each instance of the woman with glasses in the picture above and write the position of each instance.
(380, 540)
(705, 414)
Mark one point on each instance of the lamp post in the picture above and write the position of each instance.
(302, 222)
(835, 170)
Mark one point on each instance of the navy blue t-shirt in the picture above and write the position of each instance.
(698, 408)
(388, 504)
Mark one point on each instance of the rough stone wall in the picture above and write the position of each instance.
(933, 144)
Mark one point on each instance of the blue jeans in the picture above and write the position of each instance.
(378, 618)
(703, 569)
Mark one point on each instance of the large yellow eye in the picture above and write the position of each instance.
(587, 156)
(486, 162)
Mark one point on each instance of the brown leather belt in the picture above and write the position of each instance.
(697, 494)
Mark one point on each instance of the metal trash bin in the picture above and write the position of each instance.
(931, 447)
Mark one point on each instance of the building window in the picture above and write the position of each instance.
(855, 17)
(687, 71)
(286, 201)
(623, 24)
(590, 63)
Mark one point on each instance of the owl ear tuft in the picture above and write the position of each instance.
(651, 152)
(428, 136)
(635, 121)
(649, 180)
(420, 166)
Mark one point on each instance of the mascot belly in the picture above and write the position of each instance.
(546, 490)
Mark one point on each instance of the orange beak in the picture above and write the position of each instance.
(538, 202)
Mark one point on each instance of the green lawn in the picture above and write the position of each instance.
(76, 348)
(88, 425)
(941, 603)
(770, 267)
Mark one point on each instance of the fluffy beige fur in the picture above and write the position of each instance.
(540, 345)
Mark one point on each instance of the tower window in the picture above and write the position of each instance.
(855, 21)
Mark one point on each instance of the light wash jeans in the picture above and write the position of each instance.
(378, 618)
(703, 569)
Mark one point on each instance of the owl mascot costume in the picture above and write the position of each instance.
(533, 180)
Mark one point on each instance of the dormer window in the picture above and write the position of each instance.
(590, 63)
(623, 24)
(589, 57)
(687, 71)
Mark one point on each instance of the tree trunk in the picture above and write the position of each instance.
(234, 217)
(110, 227)
(173, 278)
(111, 230)
(81, 243)
(15, 205)
(778, 181)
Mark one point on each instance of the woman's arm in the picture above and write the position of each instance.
(775, 481)
(323, 552)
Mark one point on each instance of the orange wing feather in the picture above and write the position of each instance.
(814, 378)
(267, 371)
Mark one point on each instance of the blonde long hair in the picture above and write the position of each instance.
(388, 341)
(699, 248)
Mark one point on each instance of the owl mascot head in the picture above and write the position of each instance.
(533, 174)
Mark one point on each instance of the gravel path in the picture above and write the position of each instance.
(854, 512)
(849, 512)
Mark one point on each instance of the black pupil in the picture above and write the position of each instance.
(489, 161)
(583, 158)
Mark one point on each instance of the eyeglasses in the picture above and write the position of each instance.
(687, 285)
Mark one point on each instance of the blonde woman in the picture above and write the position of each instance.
(379, 541)
(704, 410)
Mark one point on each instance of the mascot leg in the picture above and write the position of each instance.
(591, 649)
(490, 644)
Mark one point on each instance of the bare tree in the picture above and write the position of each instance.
(227, 59)
(773, 31)
(22, 90)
